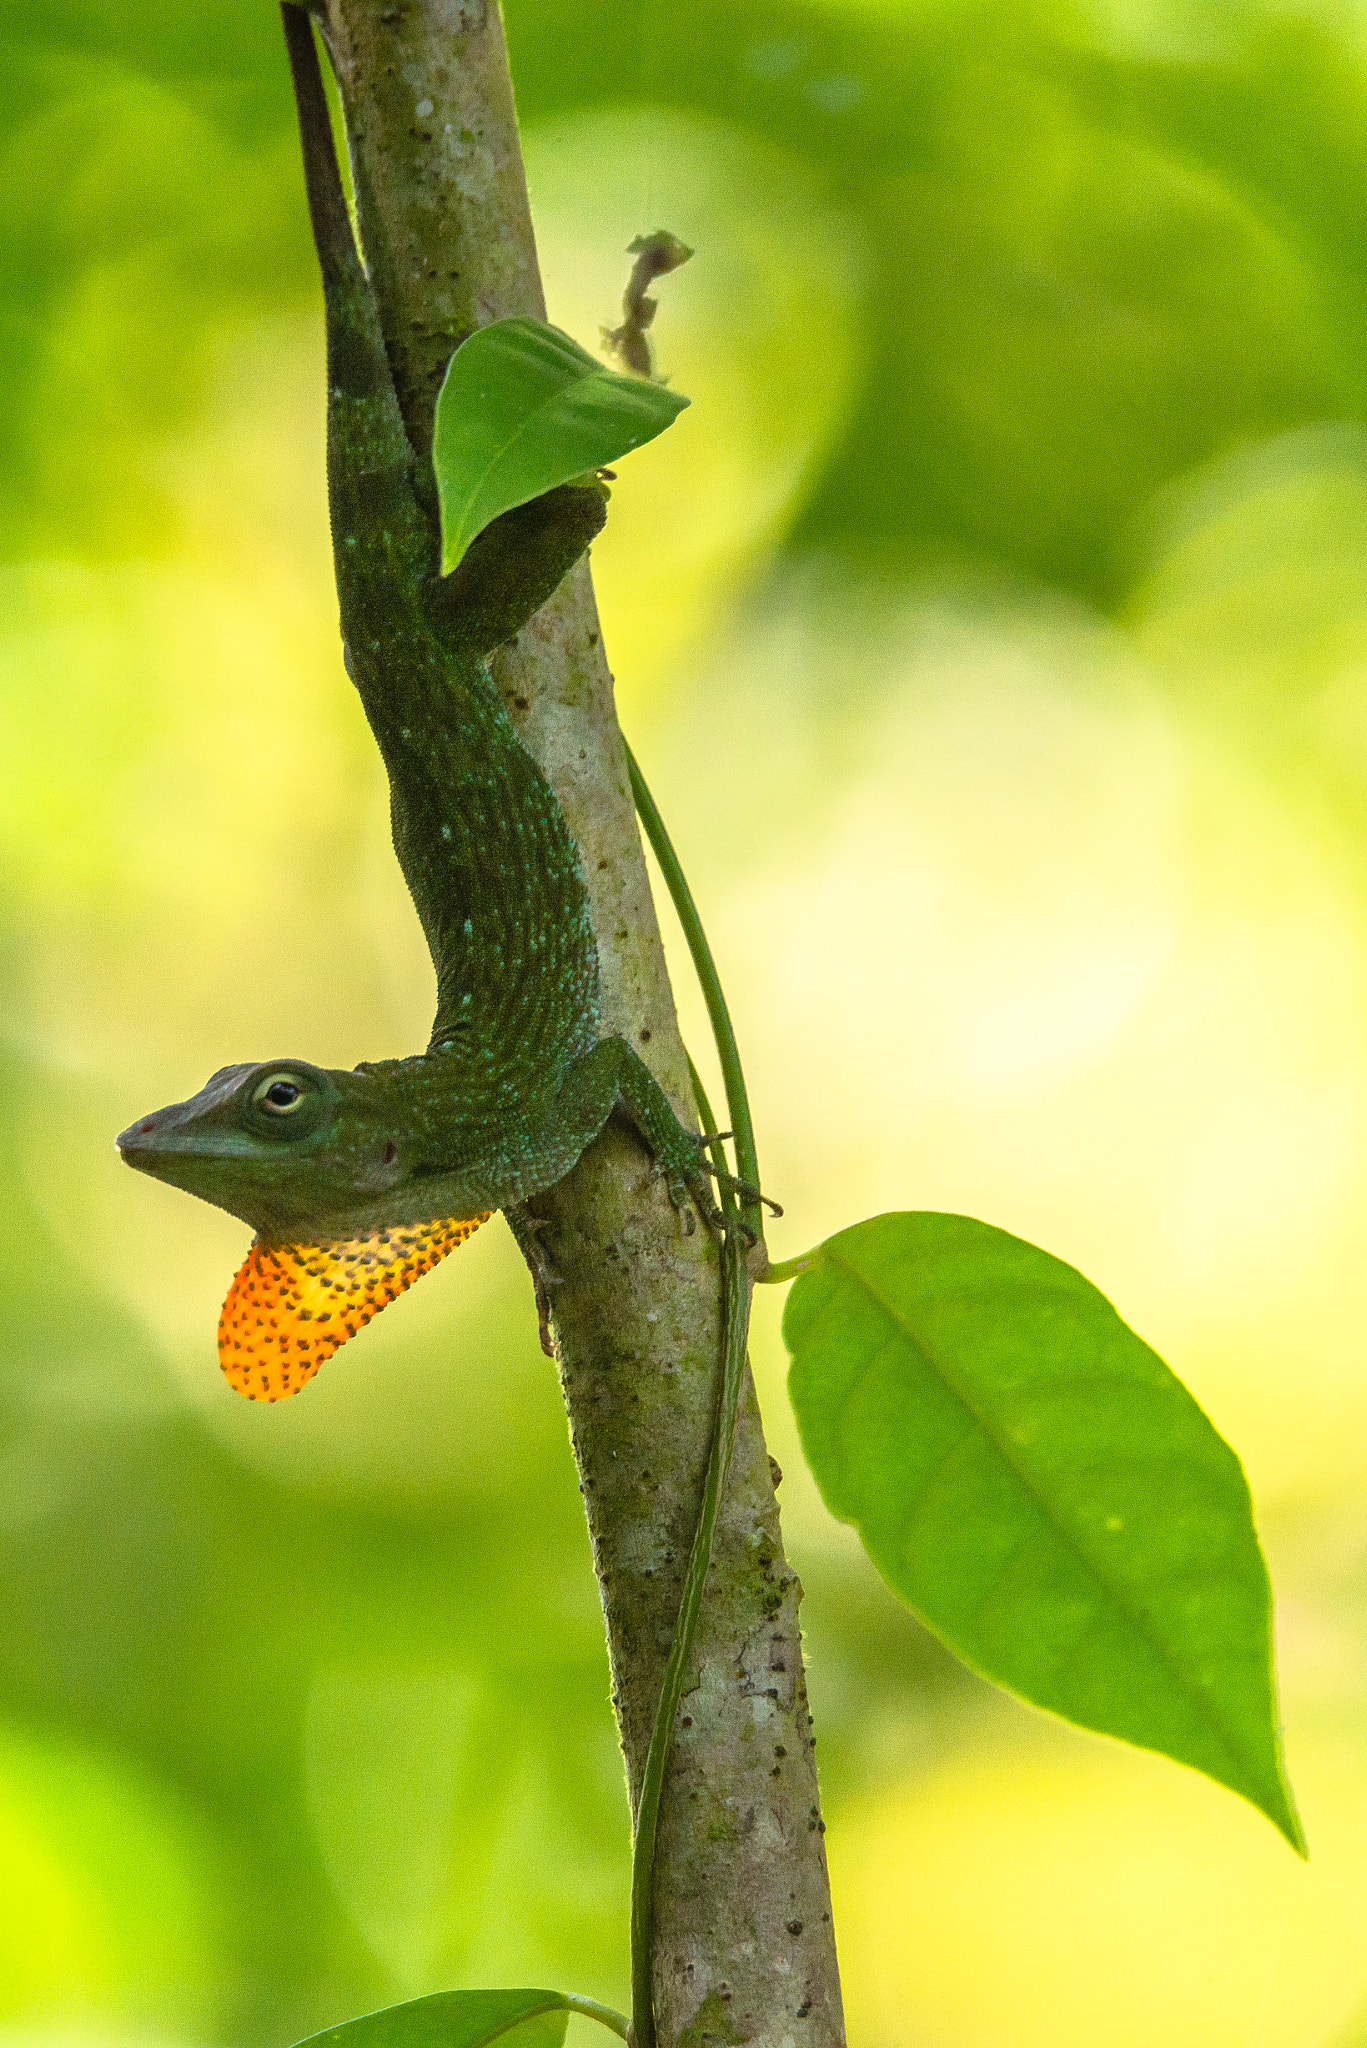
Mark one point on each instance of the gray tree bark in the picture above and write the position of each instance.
(744, 1946)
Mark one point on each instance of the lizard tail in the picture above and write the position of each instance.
(332, 234)
(370, 462)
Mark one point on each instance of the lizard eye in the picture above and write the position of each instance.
(278, 1095)
(282, 1104)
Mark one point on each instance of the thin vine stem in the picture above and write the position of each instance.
(709, 1123)
(735, 1318)
(737, 1100)
(740, 1228)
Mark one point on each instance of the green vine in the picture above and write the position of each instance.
(737, 1100)
(735, 1319)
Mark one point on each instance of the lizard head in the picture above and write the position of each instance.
(315, 1161)
(287, 1146)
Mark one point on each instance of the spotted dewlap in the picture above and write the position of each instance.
(292, 1305)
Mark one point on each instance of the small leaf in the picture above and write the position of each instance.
(1029, 1476)
(522, 409)
(468, 2019)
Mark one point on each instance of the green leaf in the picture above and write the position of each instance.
(1029, 1476)
(522, 409)
(469, 2019)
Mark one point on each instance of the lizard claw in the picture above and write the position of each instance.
(732, 1183)
(678, 1195)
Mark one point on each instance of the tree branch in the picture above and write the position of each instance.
(744, 1947)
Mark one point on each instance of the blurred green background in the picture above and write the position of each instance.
(993, 629)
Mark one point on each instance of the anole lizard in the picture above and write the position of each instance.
(356, 1183)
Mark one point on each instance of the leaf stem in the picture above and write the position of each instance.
(615, 2022)
(788, 1269)
(737, 1100)
(735, 1319)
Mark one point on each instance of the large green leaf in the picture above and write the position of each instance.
(1037, 1485)
(522, 409)
(468, 2019)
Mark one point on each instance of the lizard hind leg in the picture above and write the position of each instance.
(527, 1232)
(292, 1305)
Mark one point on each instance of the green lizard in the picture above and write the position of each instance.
(355, 1183)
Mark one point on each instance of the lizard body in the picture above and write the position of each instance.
(356, 1182)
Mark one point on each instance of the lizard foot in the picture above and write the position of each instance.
(748, 1192)
(731, 1183)
(678, 1195)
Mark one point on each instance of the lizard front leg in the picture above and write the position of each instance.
(614, 1072)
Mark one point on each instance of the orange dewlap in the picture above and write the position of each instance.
(292, 1305)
